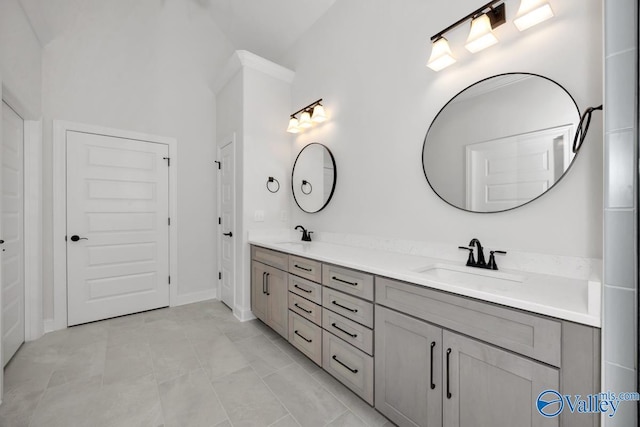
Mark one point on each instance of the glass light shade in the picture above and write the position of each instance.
(532, 12)
(318, 115)
(441, 56)
(293, 125)
(481, 35)
(305, 120)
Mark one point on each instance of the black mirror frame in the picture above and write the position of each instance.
(335, 177)
(424, 144)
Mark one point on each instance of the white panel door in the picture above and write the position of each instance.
(508, 172)
(227, 215)
(117, 226)
(12, 232)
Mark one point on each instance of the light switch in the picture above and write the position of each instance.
(258, 216)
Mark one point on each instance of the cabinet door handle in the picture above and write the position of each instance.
(303, 309)
(268, 274)
(343, 331)
(353, 310)
(302, 268)
(433, 344)
(302, 289)
(448, 389)
(337, 279)
(264, 282)
(301, 336)
(354, 371)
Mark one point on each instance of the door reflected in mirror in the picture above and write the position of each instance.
(501, 143)
(313, 179)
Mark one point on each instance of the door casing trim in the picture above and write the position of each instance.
(60, 129)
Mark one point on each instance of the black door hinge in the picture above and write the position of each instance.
(168, 221)
(219, 164)
(220, 275)
(169, 279)
(219, 220)
(168, 159)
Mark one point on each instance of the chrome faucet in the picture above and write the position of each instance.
(481, 263)
(306, 235)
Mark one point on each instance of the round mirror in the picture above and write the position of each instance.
(501, 142)
(313, 178)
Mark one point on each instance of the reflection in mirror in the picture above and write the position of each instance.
(313, 178)
(501, 142)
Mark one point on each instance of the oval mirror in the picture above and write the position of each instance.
(501, 143)
(313, 178)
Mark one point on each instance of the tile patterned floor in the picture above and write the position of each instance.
(193, 365)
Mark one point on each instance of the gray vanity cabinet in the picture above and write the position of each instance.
(487, 386)
(270, 289)
(408, 369)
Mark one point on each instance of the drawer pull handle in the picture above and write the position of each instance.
(268, 274)
(303, 309)
(302, 268)
(342, 330)
(448, 390)
(302, 336)
(354, 371)
(337, 279)
(302, 289)
(353, 310)
(433, 344)
(264, 282)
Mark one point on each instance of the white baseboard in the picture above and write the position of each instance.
(194, 297)
(243, 314)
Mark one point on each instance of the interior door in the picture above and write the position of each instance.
(117, 226)
(507, 172)
(227, 223)
(12, 232)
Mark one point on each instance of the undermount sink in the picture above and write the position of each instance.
(469, 276)
(294, 245)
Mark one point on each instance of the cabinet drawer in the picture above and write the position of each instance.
(267, 256)
(305, 288)
(307, 268)
(350, 307)
(350, 366)
(350, 331)
(349, 281)
(528, 334)
(305, 308)
(306, 337)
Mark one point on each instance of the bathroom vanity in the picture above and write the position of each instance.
(430, 342)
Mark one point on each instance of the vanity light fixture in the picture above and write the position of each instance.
(532, 12)
(483, 21)
(312, 113)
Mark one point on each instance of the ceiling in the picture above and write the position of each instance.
(265, 27)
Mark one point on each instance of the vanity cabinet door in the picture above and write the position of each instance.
(278, 301)
(492, 387)
(408, 370)
(258, 291)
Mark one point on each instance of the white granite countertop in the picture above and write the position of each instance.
(565, 298)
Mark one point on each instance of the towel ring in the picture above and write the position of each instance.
(269, 181)
(305, 182)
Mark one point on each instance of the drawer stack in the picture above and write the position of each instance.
(347, 320)
(305, 310)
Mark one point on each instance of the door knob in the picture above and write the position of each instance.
(75, 238)
(230, 234)
(1, 242)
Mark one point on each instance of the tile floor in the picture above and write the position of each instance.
(193, 365)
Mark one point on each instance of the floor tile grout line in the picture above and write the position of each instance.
(282, 418)
(341, 414)
(275, 395)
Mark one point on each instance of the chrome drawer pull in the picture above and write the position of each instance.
(302, 268)
(303, 309)
(342, 330)
(337, 279)
(354, 371)
(298, 334)
(353, 310)
(302, 289)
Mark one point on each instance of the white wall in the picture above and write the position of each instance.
(367, 58)
(144, 66)
(20, 60)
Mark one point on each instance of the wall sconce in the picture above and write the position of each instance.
(312, 113)
(483, 21)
